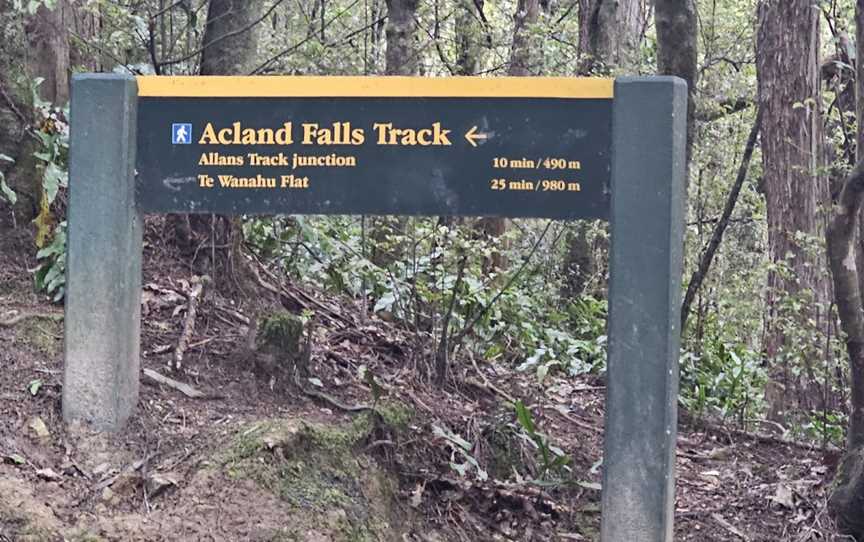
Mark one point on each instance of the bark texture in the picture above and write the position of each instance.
(795, 190)
(48, 40)
(401, 54)
(401, 59)
(609, 41)
(231, 37)
(471, 36)
(610, 34)
(677, 46)
(844, 257)
(230, 46)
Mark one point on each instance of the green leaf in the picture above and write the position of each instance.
(452, 437)
(6, 158)
(524, 417)
(34, 386)
(53, 179)
(18, 459)
(7, 192)
(385, 302)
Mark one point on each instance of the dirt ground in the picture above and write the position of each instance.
(256, 459)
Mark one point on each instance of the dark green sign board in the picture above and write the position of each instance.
(516, 147)
(457, 151)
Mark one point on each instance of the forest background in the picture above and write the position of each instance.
(773, 341)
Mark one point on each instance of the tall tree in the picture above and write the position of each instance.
(677, 42)
(230, 46)
(609, 42)
(789, 95)
(609, 34)
(402, 52)
(401, 58)
(523, 53)
(844, 256)
(470, 28)
(231, 37)
(48, 39)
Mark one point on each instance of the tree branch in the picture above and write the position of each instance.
(717, 236)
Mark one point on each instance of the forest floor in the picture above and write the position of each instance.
(256, 459)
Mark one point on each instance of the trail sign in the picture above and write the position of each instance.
(518, 147)
(395, 145)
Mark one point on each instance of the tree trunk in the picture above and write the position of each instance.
(523, 54)
(789, 94)
(402, 51)
(48, 39)
(677, 42)
(230, 48)
(470, 31)
(401, 59)
(844, 257)
(236, 53)
(609, 41)
(610, 34)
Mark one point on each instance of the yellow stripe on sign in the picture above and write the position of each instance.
(216, 86)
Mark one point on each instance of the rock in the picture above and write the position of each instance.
(107, 495)
(48, 474)
(159, 483)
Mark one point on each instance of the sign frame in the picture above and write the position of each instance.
(103, 272)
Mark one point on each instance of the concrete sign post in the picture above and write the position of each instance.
(103, 263)
(645, 267)
(561, 148)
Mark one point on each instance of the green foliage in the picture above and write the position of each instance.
(460, 449)
(31, 6)
(52, 156)
(7, 193)
(552, 458)
(50, 275)
(725, 380)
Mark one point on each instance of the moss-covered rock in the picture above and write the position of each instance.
(316, 470)
(279, 345)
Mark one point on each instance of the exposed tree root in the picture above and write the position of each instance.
(18, 318)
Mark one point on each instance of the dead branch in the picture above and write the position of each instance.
(182, 387)
(195, 295)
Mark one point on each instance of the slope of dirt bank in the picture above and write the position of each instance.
(256, 459)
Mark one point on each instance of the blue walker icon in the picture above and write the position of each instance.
(181, 134)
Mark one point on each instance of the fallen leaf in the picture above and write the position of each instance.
(784, 496)
(417, 496)
(38, 426)
(158, 483)
(48, 474)
(34, 386)
(18, 459)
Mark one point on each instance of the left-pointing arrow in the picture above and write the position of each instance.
(473, 135)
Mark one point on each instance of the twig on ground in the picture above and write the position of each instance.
(729, 527)
(195, 295)
(489, 384)
(182, 387)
